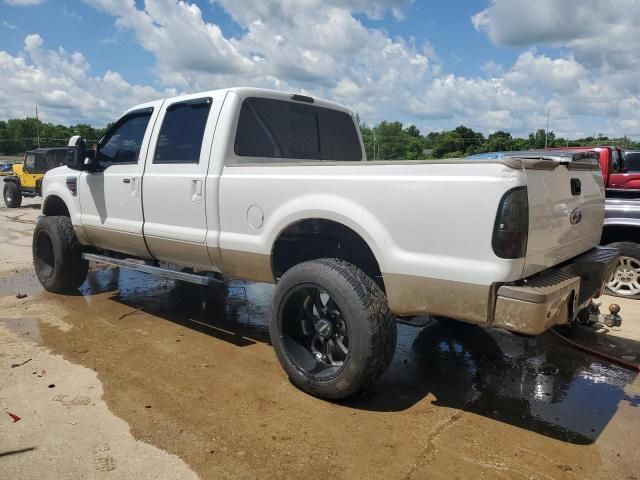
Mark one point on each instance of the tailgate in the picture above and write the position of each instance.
(566, 211)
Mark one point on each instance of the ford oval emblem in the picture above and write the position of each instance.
(576, 216)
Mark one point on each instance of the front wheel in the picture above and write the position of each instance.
(12, 195)
(331, 328)
(57, 255)
(625, 281)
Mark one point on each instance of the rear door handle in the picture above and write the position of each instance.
(196, 190)
(126, 180)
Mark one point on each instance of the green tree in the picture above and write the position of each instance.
(499, 142)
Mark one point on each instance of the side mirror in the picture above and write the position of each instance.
(76, 152)
(78, 157)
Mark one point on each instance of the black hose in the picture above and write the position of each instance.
(620, 361)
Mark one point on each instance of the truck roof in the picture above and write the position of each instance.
(245, 92)
(45, 150)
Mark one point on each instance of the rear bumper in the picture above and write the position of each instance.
(554, 296)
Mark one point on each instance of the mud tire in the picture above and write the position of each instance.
(12, 195)
(57, 255)
(370, 323)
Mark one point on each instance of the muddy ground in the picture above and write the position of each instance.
(136, 377)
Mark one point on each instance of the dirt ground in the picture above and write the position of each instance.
(136, 377)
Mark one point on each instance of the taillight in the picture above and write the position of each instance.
(511, 229)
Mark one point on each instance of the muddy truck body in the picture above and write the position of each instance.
(275, 187)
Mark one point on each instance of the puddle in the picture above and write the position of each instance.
(538, 384)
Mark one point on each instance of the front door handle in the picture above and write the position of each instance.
(134, 185)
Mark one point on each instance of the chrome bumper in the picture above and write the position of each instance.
(554, 296)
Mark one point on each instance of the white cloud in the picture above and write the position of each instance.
(599, 32)
(8, 25)
(60, 84)
(323, 49)
(311, 46)
(562, 75)
(23, 3)
(71, 14)
(600, 76)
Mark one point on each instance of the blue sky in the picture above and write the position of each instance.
(490, 64)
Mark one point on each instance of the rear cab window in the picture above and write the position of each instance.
(271, 131)
(632, 162)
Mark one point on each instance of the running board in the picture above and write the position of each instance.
(158, 271)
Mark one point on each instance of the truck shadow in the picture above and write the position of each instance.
(228, 312)
(535, 383)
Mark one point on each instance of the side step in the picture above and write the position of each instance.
(158, 271)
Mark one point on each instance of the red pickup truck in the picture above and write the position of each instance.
(621, 170)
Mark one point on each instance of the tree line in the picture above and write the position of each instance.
(391, 141)
(386, 140)
(21, 134)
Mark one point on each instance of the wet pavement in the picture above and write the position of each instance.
(192, 373)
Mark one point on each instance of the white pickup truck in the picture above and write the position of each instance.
(275, 187)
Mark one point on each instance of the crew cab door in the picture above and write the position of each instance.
(110, 199)
(174, 194)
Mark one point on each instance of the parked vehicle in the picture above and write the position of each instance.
(622, 231)
(26, 178)
(274, 187)
(620, 175)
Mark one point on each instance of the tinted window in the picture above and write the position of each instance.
(41, 163)
(279, 129)
(30, 163)
(632, 162)
(122, 143)
(180, 139)
(55, 158)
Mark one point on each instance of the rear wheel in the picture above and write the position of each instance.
(331, 328)
(625, 281)
(57, 255)
(12, 195)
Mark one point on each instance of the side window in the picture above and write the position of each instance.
(280, 129)
(632, 162)
(122, 143)
(41, 163)
(55, 158)
(30, 163)
(180, 138)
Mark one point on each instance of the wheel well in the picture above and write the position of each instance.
(619, 233)
(54, 205)
(12, 179)
(319, 238)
